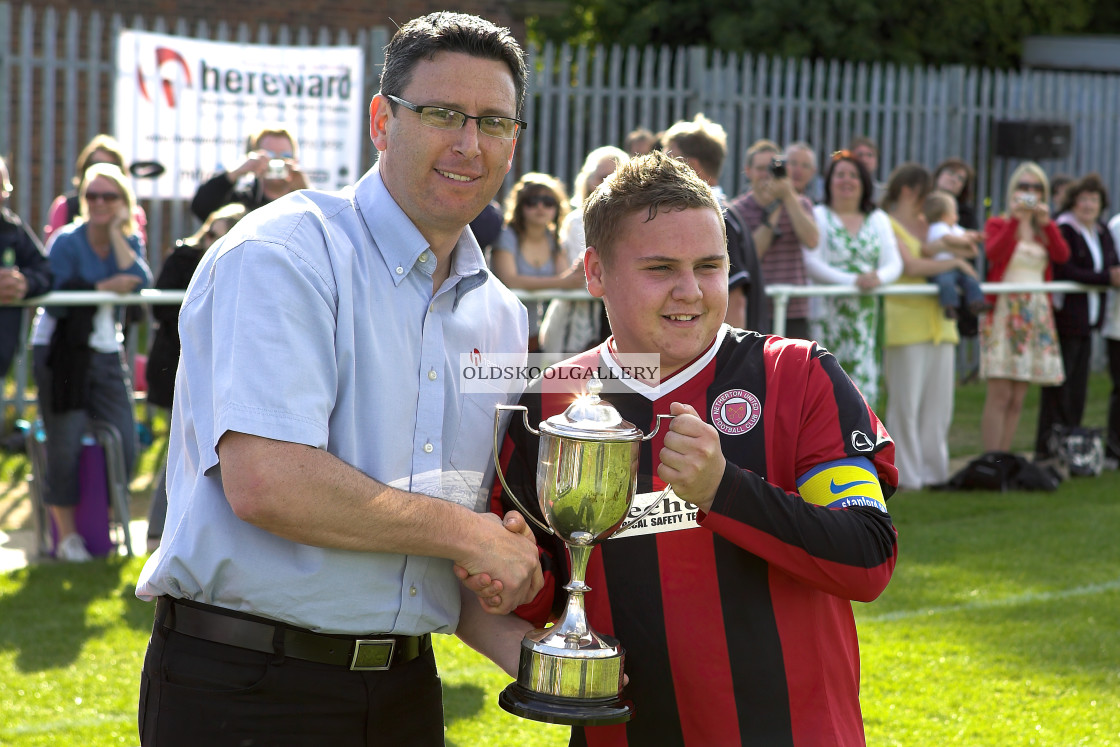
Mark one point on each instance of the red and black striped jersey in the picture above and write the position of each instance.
(737, 624)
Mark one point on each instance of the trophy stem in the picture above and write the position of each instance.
(579, 555)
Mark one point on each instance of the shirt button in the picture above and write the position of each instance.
(431, 308)
(412, 591)
(400, 270)
(423, 258)
(432, 375)
(428, 448)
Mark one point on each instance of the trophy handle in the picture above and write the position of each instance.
(665, 492)
(656, 428)
(626, 525)
(498, 464)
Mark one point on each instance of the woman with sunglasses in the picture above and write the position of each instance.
(1018, 343)
(1093, 261)
(65, 208)
(527, 254)
(163, 358)
(78, 354)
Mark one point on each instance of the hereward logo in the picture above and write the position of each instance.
(735, 412)
(172, 73)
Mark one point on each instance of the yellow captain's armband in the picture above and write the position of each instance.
(843, 484)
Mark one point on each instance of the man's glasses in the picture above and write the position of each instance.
(1028, 187)
(106, 197)
(441, 118)
(547, 200)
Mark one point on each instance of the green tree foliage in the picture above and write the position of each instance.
(986, 33)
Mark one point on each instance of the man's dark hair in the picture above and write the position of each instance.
(421, 38)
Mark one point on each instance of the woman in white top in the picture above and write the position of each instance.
(857, 247)
(575, 326)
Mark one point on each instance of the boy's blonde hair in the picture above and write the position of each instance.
(937, 205)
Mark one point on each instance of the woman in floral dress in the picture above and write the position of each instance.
(1018, 342)
(857, 247)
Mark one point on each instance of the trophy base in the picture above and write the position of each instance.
(551, 709)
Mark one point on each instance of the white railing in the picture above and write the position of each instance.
(781, 294)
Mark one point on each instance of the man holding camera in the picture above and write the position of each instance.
(272, 162)
(781, 222)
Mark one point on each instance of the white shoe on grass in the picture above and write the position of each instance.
(72, 549)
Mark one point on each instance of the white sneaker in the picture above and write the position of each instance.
(72, 549)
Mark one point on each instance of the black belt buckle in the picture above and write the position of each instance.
(373, 654)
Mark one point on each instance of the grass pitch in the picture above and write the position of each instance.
(1000, 627)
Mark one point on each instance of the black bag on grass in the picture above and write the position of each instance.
(1002, 471)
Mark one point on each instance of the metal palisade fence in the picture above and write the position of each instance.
(56, 73)
(585, 97)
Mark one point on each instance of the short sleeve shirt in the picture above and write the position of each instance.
(314, 322)
(783, 261)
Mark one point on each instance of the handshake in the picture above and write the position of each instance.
(505, 571)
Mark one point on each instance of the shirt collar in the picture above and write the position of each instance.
(403, 248)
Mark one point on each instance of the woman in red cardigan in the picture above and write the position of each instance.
(1018, 344)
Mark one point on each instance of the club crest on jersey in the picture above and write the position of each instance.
(735, 412)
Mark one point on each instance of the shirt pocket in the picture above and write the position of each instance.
(472, 455)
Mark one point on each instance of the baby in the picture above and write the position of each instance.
(940, 209)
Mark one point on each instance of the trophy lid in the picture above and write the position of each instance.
(591, 419)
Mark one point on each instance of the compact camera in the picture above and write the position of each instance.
(277, 169)
(1028, 199)
(778, 168)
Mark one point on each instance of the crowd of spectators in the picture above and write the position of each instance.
(793, 225)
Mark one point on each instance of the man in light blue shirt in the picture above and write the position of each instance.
(326, 471)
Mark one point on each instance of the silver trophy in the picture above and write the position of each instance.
(587, 475)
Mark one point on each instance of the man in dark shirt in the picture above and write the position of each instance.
(272, 162)
(24, 272)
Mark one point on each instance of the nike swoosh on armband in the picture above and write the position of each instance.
(838, 489)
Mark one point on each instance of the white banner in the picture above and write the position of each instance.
(189, 104)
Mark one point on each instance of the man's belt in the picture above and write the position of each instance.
(374, 653)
